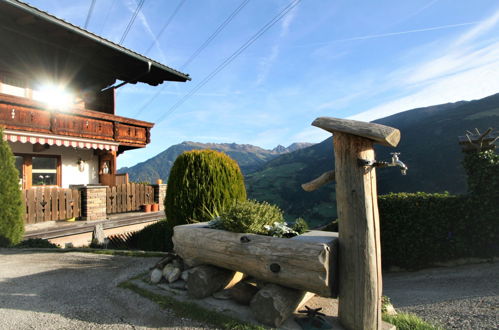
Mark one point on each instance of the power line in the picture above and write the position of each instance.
(107, 16)
(231, 58)
(90, 10)
(168, 21)
(129, 26)
(198, 51)
(214, 34)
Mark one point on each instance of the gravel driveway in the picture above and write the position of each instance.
(40, 290)
(462, 297)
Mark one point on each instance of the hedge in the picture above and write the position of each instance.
(421, 229)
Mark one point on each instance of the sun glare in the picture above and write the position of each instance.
(55, 96)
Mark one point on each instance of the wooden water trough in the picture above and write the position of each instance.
(306, 262)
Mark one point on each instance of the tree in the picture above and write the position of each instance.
(11, 203)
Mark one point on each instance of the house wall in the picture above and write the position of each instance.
(69, 158)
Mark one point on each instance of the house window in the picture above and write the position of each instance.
(44, 171)
(37, 170)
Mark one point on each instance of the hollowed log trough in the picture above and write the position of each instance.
(307, 262)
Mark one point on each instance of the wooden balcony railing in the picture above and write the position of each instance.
(27, 115)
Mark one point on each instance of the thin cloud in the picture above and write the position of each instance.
(287, 20)
(390, 34)
(480, 29)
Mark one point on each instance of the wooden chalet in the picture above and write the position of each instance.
(75, 143)
(57, 103)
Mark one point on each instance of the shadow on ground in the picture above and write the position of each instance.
(76, 290)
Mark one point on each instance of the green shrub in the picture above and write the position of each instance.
(11, 203)
(300, 226)
(420, 229)
(250, 217)
(202, 183)
(36, 243)
(155, 237)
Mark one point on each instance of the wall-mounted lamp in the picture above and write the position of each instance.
(81, 165)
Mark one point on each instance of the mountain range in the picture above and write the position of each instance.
(250, 158)
(428, 146)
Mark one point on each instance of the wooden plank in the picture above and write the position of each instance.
(300, 264)
(360, 258)
(142, 195)
(46, 201)
(135, 199)
(69, 198)
(382, 134)
(76, 203)
(31, 206)
(128, 197)
(62, 205)
(115, 199)
(38, 206)
(26, 203)
(54, 212)
(122, 206)
(150, 195)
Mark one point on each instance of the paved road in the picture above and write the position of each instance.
(76, 291)
(462, 297)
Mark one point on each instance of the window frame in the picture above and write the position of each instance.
(27, 170)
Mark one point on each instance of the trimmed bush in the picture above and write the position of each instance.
(418, 230)
(11, 203)
(201, 184)
(250, 217)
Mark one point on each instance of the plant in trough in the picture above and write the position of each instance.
(11, 203)
(201, 183)
(250, 217)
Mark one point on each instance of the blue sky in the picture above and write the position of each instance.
(343, 58)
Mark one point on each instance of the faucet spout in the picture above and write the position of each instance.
(397, 162)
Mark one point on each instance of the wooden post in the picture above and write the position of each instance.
(360, 281)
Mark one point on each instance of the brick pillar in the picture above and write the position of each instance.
(93, 203)
(159, 195)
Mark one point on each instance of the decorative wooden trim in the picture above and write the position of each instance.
(20, 101)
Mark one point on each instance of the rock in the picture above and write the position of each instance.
(243, 292)
(167, 270)
(222, 295)
(174, 275)
(98, 236)
(179, 285)
(163, 262)
(156, 275)
(177, 263)
(184, 275)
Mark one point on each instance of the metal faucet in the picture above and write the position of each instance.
(397, 162)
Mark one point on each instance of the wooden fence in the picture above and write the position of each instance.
(128, 197)
(47, 204)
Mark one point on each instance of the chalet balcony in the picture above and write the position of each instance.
(21, 114)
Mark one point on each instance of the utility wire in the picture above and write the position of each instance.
(231, 58)
(90, 10)
(129, 26)
(168, 21)
(107, 16)
(197, 51)
(214, 34)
